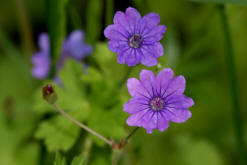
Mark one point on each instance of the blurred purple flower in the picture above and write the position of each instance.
(136, 39)
(157, 100)
(41, 60)
(73, 47)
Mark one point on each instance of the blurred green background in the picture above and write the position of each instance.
(31, 132)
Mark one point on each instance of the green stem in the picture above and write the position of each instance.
(115, 158)
(83, 126)
(131, 134)
(231, 69)
(117, 152)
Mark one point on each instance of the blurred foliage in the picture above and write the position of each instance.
(60, 160)
(93, 21)
(56, 22)
(93, 91)
(241, 2)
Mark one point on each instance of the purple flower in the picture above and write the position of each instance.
(136, 39)
(73, 47)
(41, 60)
(157, 100)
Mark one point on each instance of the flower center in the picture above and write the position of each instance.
(157, 103)
(135, 41)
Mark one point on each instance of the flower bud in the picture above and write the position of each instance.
(49, 94)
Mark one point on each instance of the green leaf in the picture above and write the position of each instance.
(104, 98)
(93, 76)
(107, 61)
(104, 78)
(78, 160)
(70, 93)
(70, 77)
(59, 133)
(15, 129)
(109, 123)
(59, 159)
(239, 2)
(56, 19)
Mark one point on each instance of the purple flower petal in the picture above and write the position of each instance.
(135, 88)
(122, 55)
(176, 86)
(133, 14)
(41, 59)
(147, 58)
(177, 115)
(120, 19)
(154, 35)
(136, 118)
(44, 42)
(155, 50)
(136, 105)
(114, 32)
(147, 79)
(129, 55)
(76, 35)
(133, 17)
(158, 49)
(163, 122)
(150, 20)
(41, 65)
(75, 47)
(163, 79)
(150, 121)
(179, 101)
(134, 58)
(115, 46)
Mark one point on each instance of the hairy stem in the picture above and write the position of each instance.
(115, 158)
(117, 152)
(131, 134)
(82, 125)
(231, 69)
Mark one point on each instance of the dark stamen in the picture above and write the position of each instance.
(135, 41)
(157, 103)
